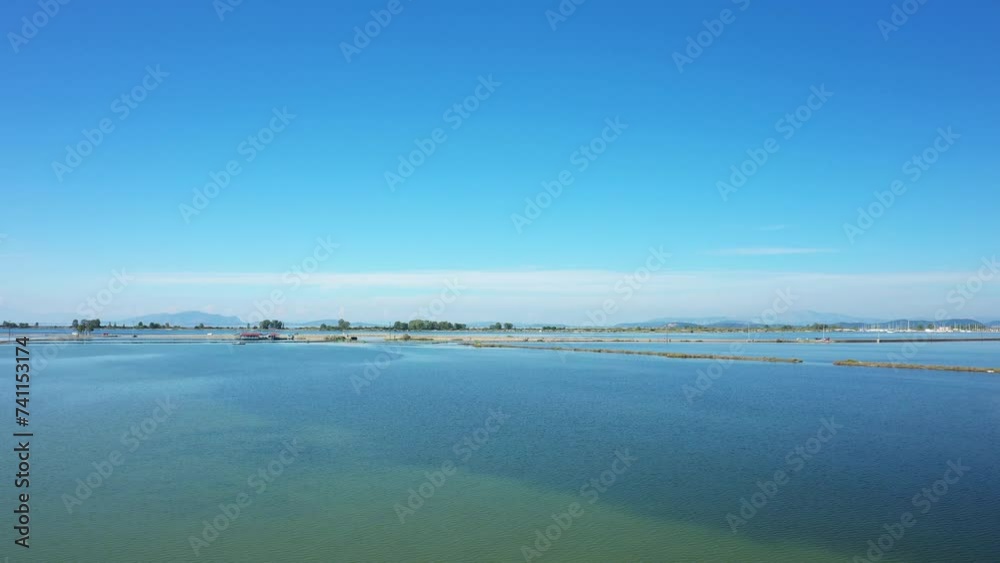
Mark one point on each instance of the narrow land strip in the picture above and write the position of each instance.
(856, 363)
(674, 355)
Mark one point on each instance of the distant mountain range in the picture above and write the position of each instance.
(794, 318)
(802, 318)
(186, 319)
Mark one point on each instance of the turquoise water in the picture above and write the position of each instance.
(341, 449)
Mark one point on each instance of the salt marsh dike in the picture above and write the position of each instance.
(726, 357)
(674, 355)
(856, 363)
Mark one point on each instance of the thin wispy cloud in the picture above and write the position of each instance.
(771, 251)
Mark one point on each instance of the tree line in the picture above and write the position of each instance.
(421, 324)
(8, 324)
(341, 325)
(86, 325)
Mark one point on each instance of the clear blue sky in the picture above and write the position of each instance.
(656, 185)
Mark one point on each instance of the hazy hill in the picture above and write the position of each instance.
(186, 319)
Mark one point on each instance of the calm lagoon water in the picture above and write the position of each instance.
(345, 448)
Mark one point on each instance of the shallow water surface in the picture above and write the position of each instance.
(447, 453)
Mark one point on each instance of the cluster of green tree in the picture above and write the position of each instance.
(8, 324)
(420, 324)
(153, 326)
(271, 324)
(86, 325)
(502, 326)
(341, 325)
